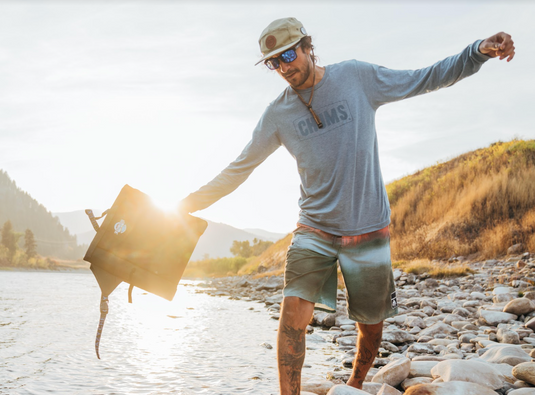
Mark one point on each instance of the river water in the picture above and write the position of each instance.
(197, 344)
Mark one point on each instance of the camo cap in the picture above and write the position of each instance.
(279, 36)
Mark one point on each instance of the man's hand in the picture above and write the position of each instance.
(500, 45)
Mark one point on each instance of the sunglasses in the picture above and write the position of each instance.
(287, 56)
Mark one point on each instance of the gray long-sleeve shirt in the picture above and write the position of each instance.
(342, 189)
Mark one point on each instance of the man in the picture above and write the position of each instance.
(326, 120)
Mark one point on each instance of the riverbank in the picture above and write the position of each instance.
(477, 329)
(57, 266)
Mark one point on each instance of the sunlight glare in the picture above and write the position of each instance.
(166, 206)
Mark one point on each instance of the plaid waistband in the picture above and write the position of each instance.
(346, 241)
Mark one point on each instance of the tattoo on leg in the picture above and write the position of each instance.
(368, 343)
(292, 355)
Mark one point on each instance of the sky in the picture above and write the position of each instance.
(163, 95)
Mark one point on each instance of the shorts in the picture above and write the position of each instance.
(311, 272)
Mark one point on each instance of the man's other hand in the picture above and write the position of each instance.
(500, 44)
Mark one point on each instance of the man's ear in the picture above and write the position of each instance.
(306, 51)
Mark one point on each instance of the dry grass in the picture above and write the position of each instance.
(275, 272)
(480, 202)
(272, 259)
(435, 270)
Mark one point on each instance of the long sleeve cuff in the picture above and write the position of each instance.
(477, 54)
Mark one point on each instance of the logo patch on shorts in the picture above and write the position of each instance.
(394, 300)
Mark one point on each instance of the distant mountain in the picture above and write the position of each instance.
(78, 223)
(216, 240)
(24, 212)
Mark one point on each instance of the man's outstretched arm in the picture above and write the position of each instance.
(501, 44)
(383, 85)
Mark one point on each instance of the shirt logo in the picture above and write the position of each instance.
(332, 116)
(120, 227)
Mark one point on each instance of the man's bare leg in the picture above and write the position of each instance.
(291, 347)
(368, 343)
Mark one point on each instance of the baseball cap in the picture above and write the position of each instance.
(280, 35)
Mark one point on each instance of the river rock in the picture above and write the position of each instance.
(519, 306)
(421, 348)
(375, 389)
(452, 317)
(502, 290)
(274, 300)
(470, 371)
(515, 249)
(407, 383)
(344, 320)
(412, 321)
(440, 342)
(503, 298)
(511, 355)
(522, 391)
(438, 328)
(388, 390)
(525, 372)
(397, 336)
(323, 318)
(507, 336)
(371, 388)
(394, 372)
(478, 296)
(346, 341)
(531, 324)
(450, 388)
(343, 389)
(274, 284)
(494, 318)
(422, 368)
(317, 387)
(505, 370)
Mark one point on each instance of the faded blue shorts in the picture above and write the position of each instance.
(311, 272)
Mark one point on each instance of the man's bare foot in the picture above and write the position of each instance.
(355, 383)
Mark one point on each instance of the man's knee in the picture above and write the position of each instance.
(371, 333)
(296, 311)
(370, 327)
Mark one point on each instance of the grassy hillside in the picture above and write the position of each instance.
(480, 202)
(271, 261)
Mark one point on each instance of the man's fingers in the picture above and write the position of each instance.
(500, 45)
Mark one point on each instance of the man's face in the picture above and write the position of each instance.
(296, 73)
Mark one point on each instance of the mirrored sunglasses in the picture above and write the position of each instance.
(287, 56)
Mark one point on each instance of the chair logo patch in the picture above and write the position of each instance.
(120, 227)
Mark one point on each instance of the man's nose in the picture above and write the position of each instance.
(284, 67)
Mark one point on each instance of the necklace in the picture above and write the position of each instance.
(309, 105)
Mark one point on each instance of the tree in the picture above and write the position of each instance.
(29, 244)
(241, 248)
(260, 246)
(244, 248)
(8, 239)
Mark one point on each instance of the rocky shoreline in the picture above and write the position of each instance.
(456, 336)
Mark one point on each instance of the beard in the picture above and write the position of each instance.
(297, 77)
